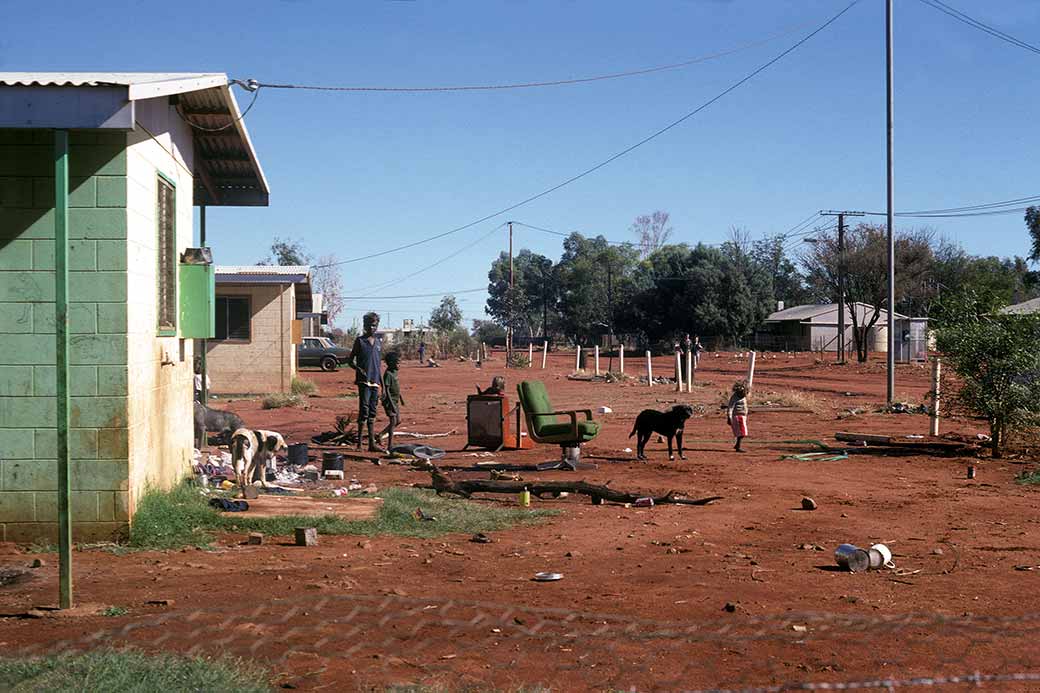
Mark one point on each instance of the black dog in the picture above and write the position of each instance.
(223, 422)
(666, 423)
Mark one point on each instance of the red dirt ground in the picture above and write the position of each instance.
(641, 604)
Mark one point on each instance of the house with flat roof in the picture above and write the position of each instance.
(99, 301)
(260, 313)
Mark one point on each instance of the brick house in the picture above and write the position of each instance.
(140, 151)
(259, 316)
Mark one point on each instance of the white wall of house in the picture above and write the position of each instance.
(160, 377)
(266, 362)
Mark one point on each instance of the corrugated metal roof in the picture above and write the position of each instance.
(96, 79)
(1024, 308)
(262, 269)
(802, 312)
(228, 170)
(261, 278)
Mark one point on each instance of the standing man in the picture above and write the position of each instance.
(422, 352)
(366, 359)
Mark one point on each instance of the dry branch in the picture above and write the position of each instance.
(442, 483)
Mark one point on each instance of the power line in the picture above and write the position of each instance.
(444, 259)
(981, 26)
(618, 155)
(433, 295)
(568, 235)
(537, 84)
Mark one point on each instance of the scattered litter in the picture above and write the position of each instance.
(480, 538)
(817, 457)
(1027, 567)
(547, 577)
(423, 452)
(730, 607)
(13, 576)
(480, 454)
(627, 450)
(645, 502)
(334, 474)
(852, 558)
(605, 410)
(255, 538)
(808, 504)
(229, 505)
(799, 629)
(418, 514)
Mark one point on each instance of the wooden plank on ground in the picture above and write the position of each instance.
(345, 508)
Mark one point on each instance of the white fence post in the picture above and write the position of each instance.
(649, 370)
(545, 352)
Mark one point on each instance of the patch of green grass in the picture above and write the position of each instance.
(1028, 477)
(182, 517)
(128, 670)
(302, 388)
(114, 611)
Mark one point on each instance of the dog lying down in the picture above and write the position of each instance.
(666, 423)
(250, 453)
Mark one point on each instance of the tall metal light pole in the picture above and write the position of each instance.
(509, 328)
(891, 236)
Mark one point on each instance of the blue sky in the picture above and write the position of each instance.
(353, 173)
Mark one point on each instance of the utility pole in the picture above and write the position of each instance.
(610, 313)
(891, 390)
(841, 276)
(509, 327)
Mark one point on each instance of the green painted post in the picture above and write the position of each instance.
(61, 325)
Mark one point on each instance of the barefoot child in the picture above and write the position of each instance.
(392, 399)
(737, 412)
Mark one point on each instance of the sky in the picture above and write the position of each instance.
(355, 173)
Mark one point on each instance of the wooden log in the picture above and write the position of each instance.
(442, 483)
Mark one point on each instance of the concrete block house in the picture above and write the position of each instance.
(260, 313)
(140, 151)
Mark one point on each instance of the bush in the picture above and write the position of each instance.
(278, 400)
(302, 387)
(996, 360)
(518, 359)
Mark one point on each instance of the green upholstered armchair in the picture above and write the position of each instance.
(543, 424)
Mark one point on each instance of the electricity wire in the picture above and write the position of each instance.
(616, 156)
(981, 26)
(242, 115)
(538, 84)
(433, 295)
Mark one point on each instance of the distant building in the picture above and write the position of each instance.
(1025, 308)
(259, 325)
(815, 328)
(396, 335)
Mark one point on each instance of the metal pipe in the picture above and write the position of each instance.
(204, 390)
(61, 334)
(891, 390)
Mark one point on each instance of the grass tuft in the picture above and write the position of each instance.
(302, 387)
(277, 400)
(181, 517)
(114, 611)
(1028, 477)
(121, 671)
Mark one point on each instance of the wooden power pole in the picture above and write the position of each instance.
(841, 276)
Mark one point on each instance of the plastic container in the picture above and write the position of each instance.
(298, 454)
(331, 461)
(852, 558)
(525, 498)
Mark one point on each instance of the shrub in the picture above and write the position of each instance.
(277, 400)
(302, 387)
(994, 355)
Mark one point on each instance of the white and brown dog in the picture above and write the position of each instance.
(251, 451)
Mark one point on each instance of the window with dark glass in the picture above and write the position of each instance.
(165, 213)
(232, 318)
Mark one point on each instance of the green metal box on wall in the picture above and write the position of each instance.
(197, 301)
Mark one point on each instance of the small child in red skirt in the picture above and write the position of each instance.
(737, 412)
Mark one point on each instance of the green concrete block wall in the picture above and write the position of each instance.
(98, 439)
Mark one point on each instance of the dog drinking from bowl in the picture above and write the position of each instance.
(252, 452)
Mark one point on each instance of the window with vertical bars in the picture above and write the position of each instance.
(165, 213)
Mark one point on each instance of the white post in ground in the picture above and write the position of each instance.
(649, 370)
(597, 359)
(483, 351)
(750, 371)
(577, 358)
(530, 354)
(545, 352)
(936, 371)
(689, 370)
(678, 371)
(621, 357)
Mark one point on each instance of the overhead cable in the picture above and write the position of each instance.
(537, 84)
(618, 155)
(981, 26)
